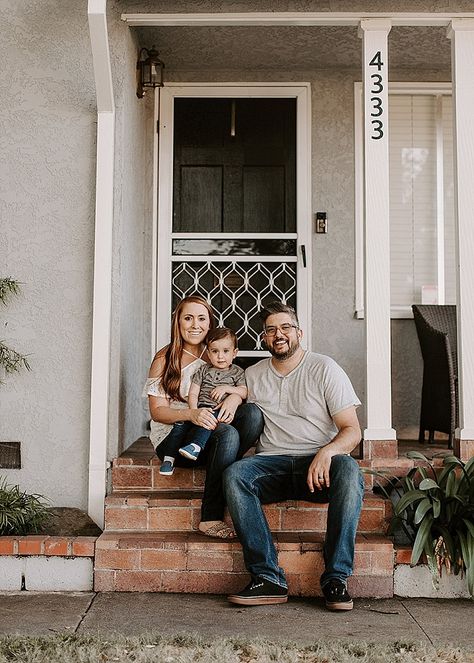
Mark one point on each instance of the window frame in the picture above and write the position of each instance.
(412, 88)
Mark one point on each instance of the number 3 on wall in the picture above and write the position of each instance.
(377, 109)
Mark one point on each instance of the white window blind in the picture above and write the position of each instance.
(421, 141)
(422, 242)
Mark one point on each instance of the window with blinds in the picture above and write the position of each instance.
(421, 200)
(422, 251)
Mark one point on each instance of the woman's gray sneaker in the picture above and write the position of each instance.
(260, 591)
(336, 595)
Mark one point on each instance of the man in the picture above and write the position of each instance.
(310, 428)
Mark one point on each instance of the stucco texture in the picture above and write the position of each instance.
(131, 266)
(47, 188)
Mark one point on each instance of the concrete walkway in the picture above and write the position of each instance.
(438, 622)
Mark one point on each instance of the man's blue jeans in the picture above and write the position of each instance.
(261, 479)
(228, 443)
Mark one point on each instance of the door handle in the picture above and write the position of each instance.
(303, 254)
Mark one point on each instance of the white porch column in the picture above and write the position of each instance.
(461, 33)
(379, 436)
(101, 332)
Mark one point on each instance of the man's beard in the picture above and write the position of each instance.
(281, 356)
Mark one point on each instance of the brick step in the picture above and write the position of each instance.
(189, 562)
(137, 469)
(180, 510)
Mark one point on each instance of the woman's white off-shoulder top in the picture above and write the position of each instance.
(153, 387)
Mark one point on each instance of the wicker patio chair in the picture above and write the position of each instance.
(436, 329)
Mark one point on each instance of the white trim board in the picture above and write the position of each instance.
(293, 18)
(163, 219)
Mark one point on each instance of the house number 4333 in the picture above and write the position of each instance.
(376, 88)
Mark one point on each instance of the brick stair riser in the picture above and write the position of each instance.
(146, 477)
(184, 515)
(218, 567)
(127, 478)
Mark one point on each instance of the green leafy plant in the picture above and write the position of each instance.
(21, 513)
(435, 510)
(11, 360)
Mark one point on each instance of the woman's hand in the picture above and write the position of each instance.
(203, 417)
(218, 393)
(228, 408)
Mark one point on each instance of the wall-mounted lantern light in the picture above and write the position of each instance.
(150, 70)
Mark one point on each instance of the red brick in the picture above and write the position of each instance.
(382, 562)
(117, 559)
(56, 545)
(8, 545)
(107, 541)
(296, 562)
(379, 449)
(464, 449)
(172, 519)
(362, 561)
(182, 479)
(199, 477)
(293, 580)
(238, 565)
(126, 518)
(211, 544)
(226, 583)
(138, 581)
(370, 586)
(163, 559)
(309, 584)
(403, 555)
(131, 477)
(301, 520)
(104, 581)
(273, 515)
(372, 520)
(31, 545)
(192, 582)
(84, 546)
(205, 561)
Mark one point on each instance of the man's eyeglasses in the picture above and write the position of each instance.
(285, 329)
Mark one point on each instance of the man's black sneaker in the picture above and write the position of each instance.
(260, 592)
(337, 596)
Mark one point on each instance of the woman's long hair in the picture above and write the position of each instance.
(171, 376)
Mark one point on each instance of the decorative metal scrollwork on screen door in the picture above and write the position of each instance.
(236, 285)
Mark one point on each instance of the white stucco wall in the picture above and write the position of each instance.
(47, 183)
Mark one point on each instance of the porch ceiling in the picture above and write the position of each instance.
(291, 47)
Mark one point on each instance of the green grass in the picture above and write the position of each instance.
(194, 649)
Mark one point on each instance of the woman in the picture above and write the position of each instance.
(167, 388)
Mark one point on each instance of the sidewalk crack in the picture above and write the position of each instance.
(417, 623)
(79, 624)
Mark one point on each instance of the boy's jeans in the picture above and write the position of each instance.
(185, 432)
(200, 435)
(262, 479)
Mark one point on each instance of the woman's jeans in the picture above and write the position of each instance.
(262, 479)
(226, 444)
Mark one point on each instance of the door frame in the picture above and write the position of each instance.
(163, 191)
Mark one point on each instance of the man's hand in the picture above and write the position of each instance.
(345, 441)
(318, 472)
